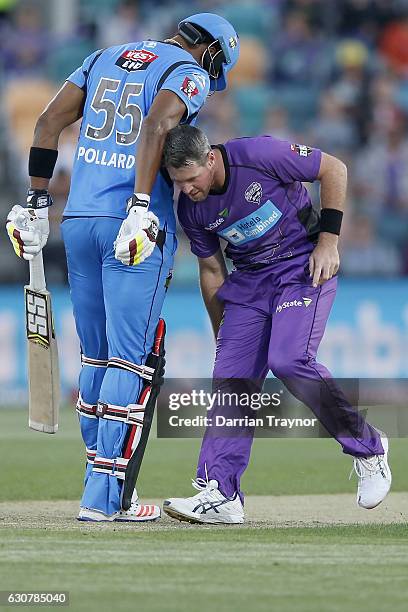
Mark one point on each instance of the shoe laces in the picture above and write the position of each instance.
(366, 467)
(204, 485)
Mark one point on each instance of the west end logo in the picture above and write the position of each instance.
(253, 193)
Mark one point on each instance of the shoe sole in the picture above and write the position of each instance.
(194, 521)
(137, 520)
(85, 519)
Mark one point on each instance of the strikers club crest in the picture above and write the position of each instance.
(189, 87)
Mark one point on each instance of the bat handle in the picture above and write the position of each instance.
(37, 276)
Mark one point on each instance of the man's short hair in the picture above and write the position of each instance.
(184, 145)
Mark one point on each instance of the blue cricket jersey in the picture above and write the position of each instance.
(120, 84)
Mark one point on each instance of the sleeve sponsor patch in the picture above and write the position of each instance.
(189, 87)
(137, 59)
(200, 79)
(301, 150)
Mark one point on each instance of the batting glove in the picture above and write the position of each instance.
(28, 230)
(138, 233)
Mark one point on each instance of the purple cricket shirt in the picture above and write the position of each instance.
(263, 211)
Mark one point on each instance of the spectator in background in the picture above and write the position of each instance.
(277, 124)
(394, 45)
(219, 117)
(26, 44)
(6, 7)
(382, 99)
(363, 19)
(299, 54)
(381, 177)
(125, 24)
(351, 84)
(333, 129)
(364, 254)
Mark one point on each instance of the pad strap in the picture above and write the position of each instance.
(132, 414)
(142, 370)
(112, 467)
(84, 409)
(90, 455)
(95, 363)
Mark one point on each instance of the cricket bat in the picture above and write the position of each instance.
(42, 353)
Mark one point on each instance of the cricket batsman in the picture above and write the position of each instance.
(270, 313)
(119, 225)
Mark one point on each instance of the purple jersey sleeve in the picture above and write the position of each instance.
(202, 242)
(79, 76)
(191, 85)
(289, 162)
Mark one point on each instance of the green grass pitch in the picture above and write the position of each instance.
(185, 567)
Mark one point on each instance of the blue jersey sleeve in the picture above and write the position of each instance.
(80, 75)
(191, 84)
(202, 242)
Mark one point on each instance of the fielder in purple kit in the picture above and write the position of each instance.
(270, 313)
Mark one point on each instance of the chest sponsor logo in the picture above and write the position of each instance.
(253, 193)
(138, 59)
(214, 224)
(252, 226)
(189, 87)
(301, 150)
(294, 304)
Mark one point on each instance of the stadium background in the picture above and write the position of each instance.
(331, 74)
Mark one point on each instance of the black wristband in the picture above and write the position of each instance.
(330, 220)
(41, 162)
(38, 198)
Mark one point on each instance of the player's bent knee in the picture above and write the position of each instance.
(288, 367)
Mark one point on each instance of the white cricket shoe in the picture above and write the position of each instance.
(374, 477)
(207, 506)
(136, 513)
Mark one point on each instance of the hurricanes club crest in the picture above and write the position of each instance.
(253, 193)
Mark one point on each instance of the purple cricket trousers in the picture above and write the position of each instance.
(274, 319)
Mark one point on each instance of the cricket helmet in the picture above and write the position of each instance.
(208, 27)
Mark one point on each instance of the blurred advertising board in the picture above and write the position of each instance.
(367, 336)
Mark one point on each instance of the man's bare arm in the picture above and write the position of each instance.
(324, 261)
(165, 113)
(65, 108)
(213, 273)
(333, 180)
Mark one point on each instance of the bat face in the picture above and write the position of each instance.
(37, 318)
(42, 354)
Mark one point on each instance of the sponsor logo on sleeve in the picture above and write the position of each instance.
(137, 59)
(200, 78)
(301, 150)
(252, 226)
(253, 193)
(189, 87)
